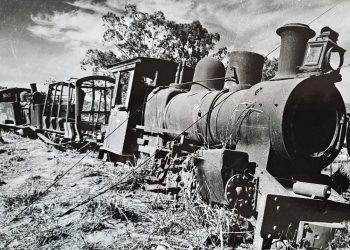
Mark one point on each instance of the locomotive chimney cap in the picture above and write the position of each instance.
(297, 26)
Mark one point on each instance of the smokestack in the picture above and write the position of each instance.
(294, 37)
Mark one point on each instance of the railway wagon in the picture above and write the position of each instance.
(14, 106)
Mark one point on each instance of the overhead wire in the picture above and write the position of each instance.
(60, 176)
(313, 20)
(77, 163)
(122, 180)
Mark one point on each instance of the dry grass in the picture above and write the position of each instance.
(126, 217)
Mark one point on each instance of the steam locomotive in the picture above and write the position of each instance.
(258, 147)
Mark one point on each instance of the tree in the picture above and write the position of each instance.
(221, 53)
(270, 68)
(136, 33)
(99, 59)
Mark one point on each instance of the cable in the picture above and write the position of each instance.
(59, 177)
(121, 181)
(313, 20)
(195, 83)
(323, 13)
(202, 85)
(211, 108)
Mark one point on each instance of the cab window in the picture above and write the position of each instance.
(125, 81)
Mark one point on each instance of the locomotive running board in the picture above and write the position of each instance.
(281, 216)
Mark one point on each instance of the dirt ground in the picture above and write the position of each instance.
(125, 217)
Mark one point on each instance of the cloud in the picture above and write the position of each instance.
(243, 24)
(251, 24)
(76, 29)
(176, 10)
(82, 27)
(39, 68)
(100, 7)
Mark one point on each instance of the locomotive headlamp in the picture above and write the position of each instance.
(334, 59)
(323, 54)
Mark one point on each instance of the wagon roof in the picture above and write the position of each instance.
(14, 90)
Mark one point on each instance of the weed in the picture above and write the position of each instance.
(341, 240)
(16, 158)
(92, 225)
(94, 173)
(65, 204)
(36, 177)
(51, 234)
(92, 246)
(15, 200)
(113, 210)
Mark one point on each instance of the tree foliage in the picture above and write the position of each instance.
(270, 68)
(221, 53)
(135, 33)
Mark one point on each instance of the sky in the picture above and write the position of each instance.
(42, 40)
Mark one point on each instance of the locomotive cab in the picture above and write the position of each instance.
(135, 79)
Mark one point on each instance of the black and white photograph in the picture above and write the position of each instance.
(175, 124)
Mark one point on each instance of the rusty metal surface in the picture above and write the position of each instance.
(294, 38)
(316, 235)
(36, 111)
(12, 94)
(54, 108)
(305, 117)
(300, 117)
(209, 68)
(93, 106)
(117, 131)
(215, 167)
(240, 193)
(209, 116)
(320, 52)
(283, 214)
(183, 111)
(74, 111)
(14, 106)
(316, 190)
(148, 74)
(246, 65)
(157, 100)
(11, 113)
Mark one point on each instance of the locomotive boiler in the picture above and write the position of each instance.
(259, 147)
